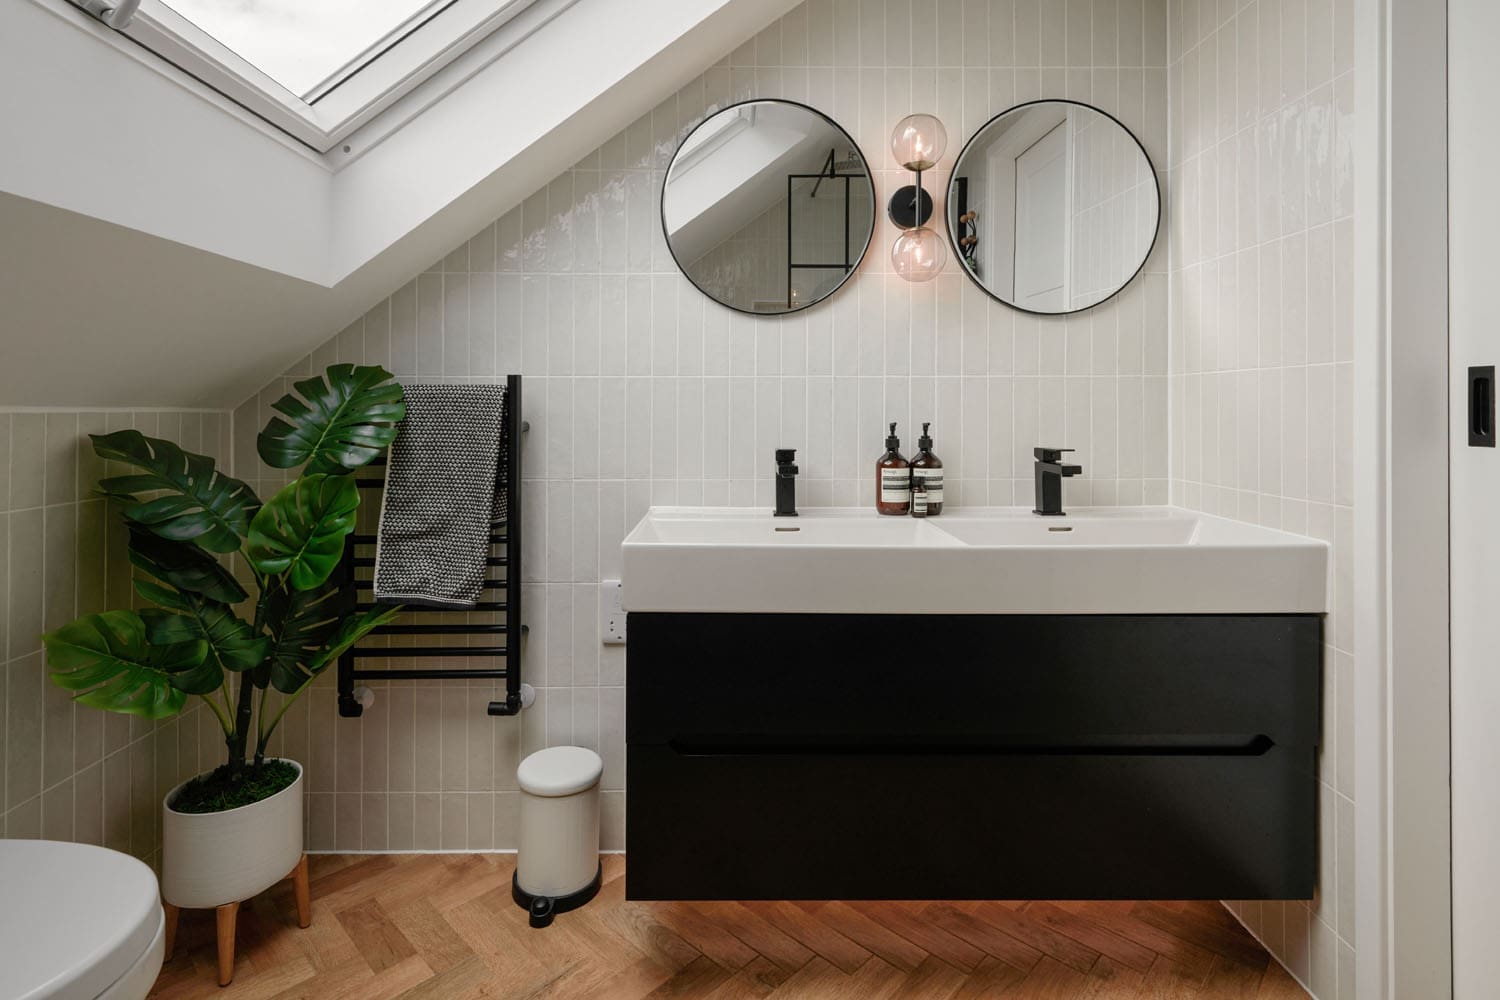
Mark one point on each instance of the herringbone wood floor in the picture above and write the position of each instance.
(444, 927)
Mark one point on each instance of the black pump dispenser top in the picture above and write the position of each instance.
(893, 443)
(925, 441)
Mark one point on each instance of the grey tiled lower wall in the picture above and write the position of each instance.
(69, 772)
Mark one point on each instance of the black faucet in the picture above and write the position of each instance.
(786, 482)
(1049, 476)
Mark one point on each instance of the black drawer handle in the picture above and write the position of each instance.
(1193, 745)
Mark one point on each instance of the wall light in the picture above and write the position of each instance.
(918, 254)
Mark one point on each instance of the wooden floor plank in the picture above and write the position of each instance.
(706, 935)
(811, 933)
(923, 933)
(759, 978)
(1169, 981)
(1091, 935)
(1116, 916)
(890, 947)
(376, 937)
(934, 979)
(1110, 980)
(983, 935)
(1050, 979)
(445, 926)
(1231, 942)
(1232, 981)
(1060, 947)
(875, 980)
(786, 952)
(991, 979)
(698, 978)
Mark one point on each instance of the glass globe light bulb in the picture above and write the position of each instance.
(918, 254)
(918, 142)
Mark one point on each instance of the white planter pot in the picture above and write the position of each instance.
(209, 859)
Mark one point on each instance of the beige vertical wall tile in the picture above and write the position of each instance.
(25, 700)
(27, 580)
(28, 460)
(1260, 345)
(60, 566)
(6, 421)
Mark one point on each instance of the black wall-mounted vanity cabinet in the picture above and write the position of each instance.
(787, 756)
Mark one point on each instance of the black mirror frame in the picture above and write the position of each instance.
(869, 174)
(953, 176)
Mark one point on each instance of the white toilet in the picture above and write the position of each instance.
(77, 923)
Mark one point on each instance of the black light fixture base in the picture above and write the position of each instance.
(910, 207)
(543, 908)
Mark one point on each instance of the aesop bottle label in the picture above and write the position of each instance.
(895, 485)
(933, 479)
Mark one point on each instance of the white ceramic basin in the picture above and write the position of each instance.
(736, 527)
(1142, 560)
(1101, 526)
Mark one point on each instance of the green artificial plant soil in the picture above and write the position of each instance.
(222, 789)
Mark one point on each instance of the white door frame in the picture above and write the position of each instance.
(1403, 946)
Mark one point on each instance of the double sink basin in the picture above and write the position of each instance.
(1116, 560)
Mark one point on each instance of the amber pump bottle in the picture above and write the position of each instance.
(892, 479)
(928, 468)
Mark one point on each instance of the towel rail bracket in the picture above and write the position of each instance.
(424, 622)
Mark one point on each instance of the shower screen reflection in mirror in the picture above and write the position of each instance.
(768, 207)
(1053, 207)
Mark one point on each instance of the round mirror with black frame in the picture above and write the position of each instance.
(1053, 207)
(768, 206)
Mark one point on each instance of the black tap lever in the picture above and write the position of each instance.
(786, 482)
(1050, 472)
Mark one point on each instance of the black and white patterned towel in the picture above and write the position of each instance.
(441, 497)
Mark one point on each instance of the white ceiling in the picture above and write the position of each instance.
(159, 247)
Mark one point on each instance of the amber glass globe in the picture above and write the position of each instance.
(918, 142)
(918, 254)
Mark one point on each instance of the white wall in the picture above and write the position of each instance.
(639, 391)
(1473, 78)
(1262, 210)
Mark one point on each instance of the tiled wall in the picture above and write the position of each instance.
(639, 391)
(69, 772)
(1115, 202)
(1262, 353)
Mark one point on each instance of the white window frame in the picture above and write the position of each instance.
(353, 96)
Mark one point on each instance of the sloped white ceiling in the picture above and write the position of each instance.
(160, 248)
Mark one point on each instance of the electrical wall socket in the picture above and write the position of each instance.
(611, 614)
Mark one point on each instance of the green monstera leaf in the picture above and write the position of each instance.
(301, 623)
(301, 531)
(195, 502)
(338, 425)
(108, 659)
(184, 617)
(315, 629)
(184, 566)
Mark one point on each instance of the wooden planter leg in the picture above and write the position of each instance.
(304, 894)
(170, 912)
(226, 918)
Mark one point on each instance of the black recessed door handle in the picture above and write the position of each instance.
(1482, 406)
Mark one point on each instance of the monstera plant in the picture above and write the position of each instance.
(203, 634)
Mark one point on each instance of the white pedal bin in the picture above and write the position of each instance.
(557, 863)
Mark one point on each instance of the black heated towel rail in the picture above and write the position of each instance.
(498, 615)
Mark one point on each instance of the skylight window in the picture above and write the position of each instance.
(307, 46)
(320, 70)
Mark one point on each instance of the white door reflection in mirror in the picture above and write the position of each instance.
(1053, 207)
(1043, 222)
